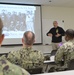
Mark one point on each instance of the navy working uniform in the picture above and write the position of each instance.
(65, 53)
(26, 58)
(7, 68)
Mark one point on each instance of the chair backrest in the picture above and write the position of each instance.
(71, 65)
(6, 54)
(35, 70)
(53, 52)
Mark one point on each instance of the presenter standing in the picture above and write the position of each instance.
(56, 33)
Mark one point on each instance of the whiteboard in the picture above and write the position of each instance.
(47, 25)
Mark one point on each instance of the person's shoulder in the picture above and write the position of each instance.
(37, 51)
(11, 69)
(52, 28)
(63, 46)
(23, 49)
(67, 44)
(60, 27)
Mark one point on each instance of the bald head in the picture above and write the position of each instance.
(29, 37)
(55, 24)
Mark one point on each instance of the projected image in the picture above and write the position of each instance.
(17, 20)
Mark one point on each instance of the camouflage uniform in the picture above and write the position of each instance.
(26, 58)
(7, 68)
(65, 53)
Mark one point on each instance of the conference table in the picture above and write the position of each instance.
(70, 72)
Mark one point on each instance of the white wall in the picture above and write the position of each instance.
(56, 13)
(61, 13)
(42, 48)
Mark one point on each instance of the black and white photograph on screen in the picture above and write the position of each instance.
(17, 21)
(19, 18)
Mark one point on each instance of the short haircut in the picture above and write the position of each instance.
(70, 33)
(1, 26)
(28, 40)
(55, 21)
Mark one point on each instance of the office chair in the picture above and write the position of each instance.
(71, 65)
(53, 52)
(35, 70)
(6, 54)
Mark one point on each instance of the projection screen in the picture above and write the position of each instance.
(18, 18)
